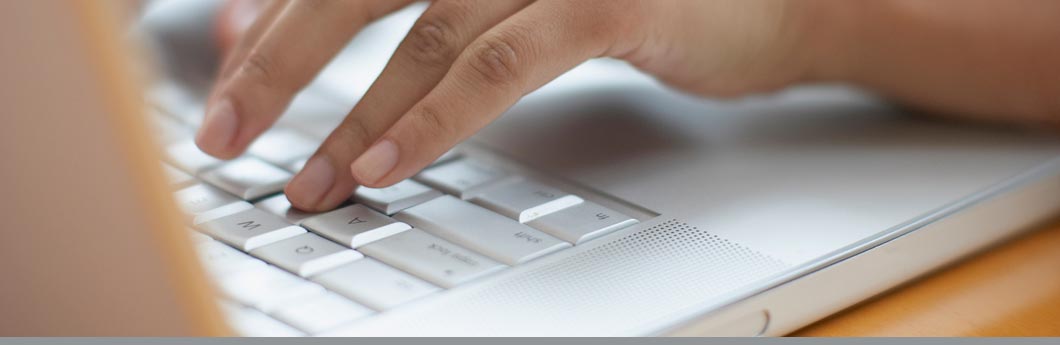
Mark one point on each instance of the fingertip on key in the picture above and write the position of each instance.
(218, 130)
(312, 184)
(375, 164)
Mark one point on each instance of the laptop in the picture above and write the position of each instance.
(602, 205)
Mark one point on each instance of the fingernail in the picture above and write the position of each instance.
(376, 162)
(312, 183)
(219, 127)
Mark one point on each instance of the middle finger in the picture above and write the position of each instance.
(421, 60)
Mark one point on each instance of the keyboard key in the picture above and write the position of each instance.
(297, 165)
(267, 288)
(433, 259)
(280, 206)
(306, 254)
(446, 157)
(395, 198)
(248, 178)
(168, 130)
(314, 113)
(375, 284)
(354, 225)
(177, 178)
(250, 229)
(283, 146)
(461, 178)
(582, 223)
(220, 259)
(524, 200)
(474, 227)
(248, 322)
(320, 313)
(197, 237)
(187, 156)
(204, 203)
(177, 102)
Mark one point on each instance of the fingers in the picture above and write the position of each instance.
(236, 37)
(234, 18)
(513, 58)
(420, 61)
(303, 38)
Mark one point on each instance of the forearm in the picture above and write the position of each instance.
(976, 58)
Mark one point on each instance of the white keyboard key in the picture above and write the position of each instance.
(375, 284)
(354, 225)
(433, 259)
(280, 206)
(248, 178)
(582, 223)
(297, 165)
(168, 130)
(461, 178)
(314, 113)
(200, 198)
(177, 102)
(481, 230)
(177, 178)
(186, 155)
(446, 157)
(283, 146)
(524, 200)
(267, 288)
(321, 313)
(395, 198)
(220, 259)
(306, 254)
(248, 322)
(198, 238)
(250, 229)
(204, 203)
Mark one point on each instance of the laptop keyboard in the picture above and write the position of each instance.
(281, 271)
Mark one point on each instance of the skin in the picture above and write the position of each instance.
(466, 61)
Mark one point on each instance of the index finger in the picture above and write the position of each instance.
(513, 58)
(290, 53)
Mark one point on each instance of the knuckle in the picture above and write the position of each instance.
(431, 122)
(431, 41)
(355, 133)
(259, 69)
(496, 59)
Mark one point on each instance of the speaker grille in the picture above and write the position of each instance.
(610, 289)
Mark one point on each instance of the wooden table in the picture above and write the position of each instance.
(1010, 290)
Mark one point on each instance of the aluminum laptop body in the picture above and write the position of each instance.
(754, 217)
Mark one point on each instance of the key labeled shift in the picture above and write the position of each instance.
(582, 223)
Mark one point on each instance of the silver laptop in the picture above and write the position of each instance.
(603, 204)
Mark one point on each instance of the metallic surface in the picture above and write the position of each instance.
(776, 211)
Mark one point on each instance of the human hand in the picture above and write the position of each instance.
(466, 61)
